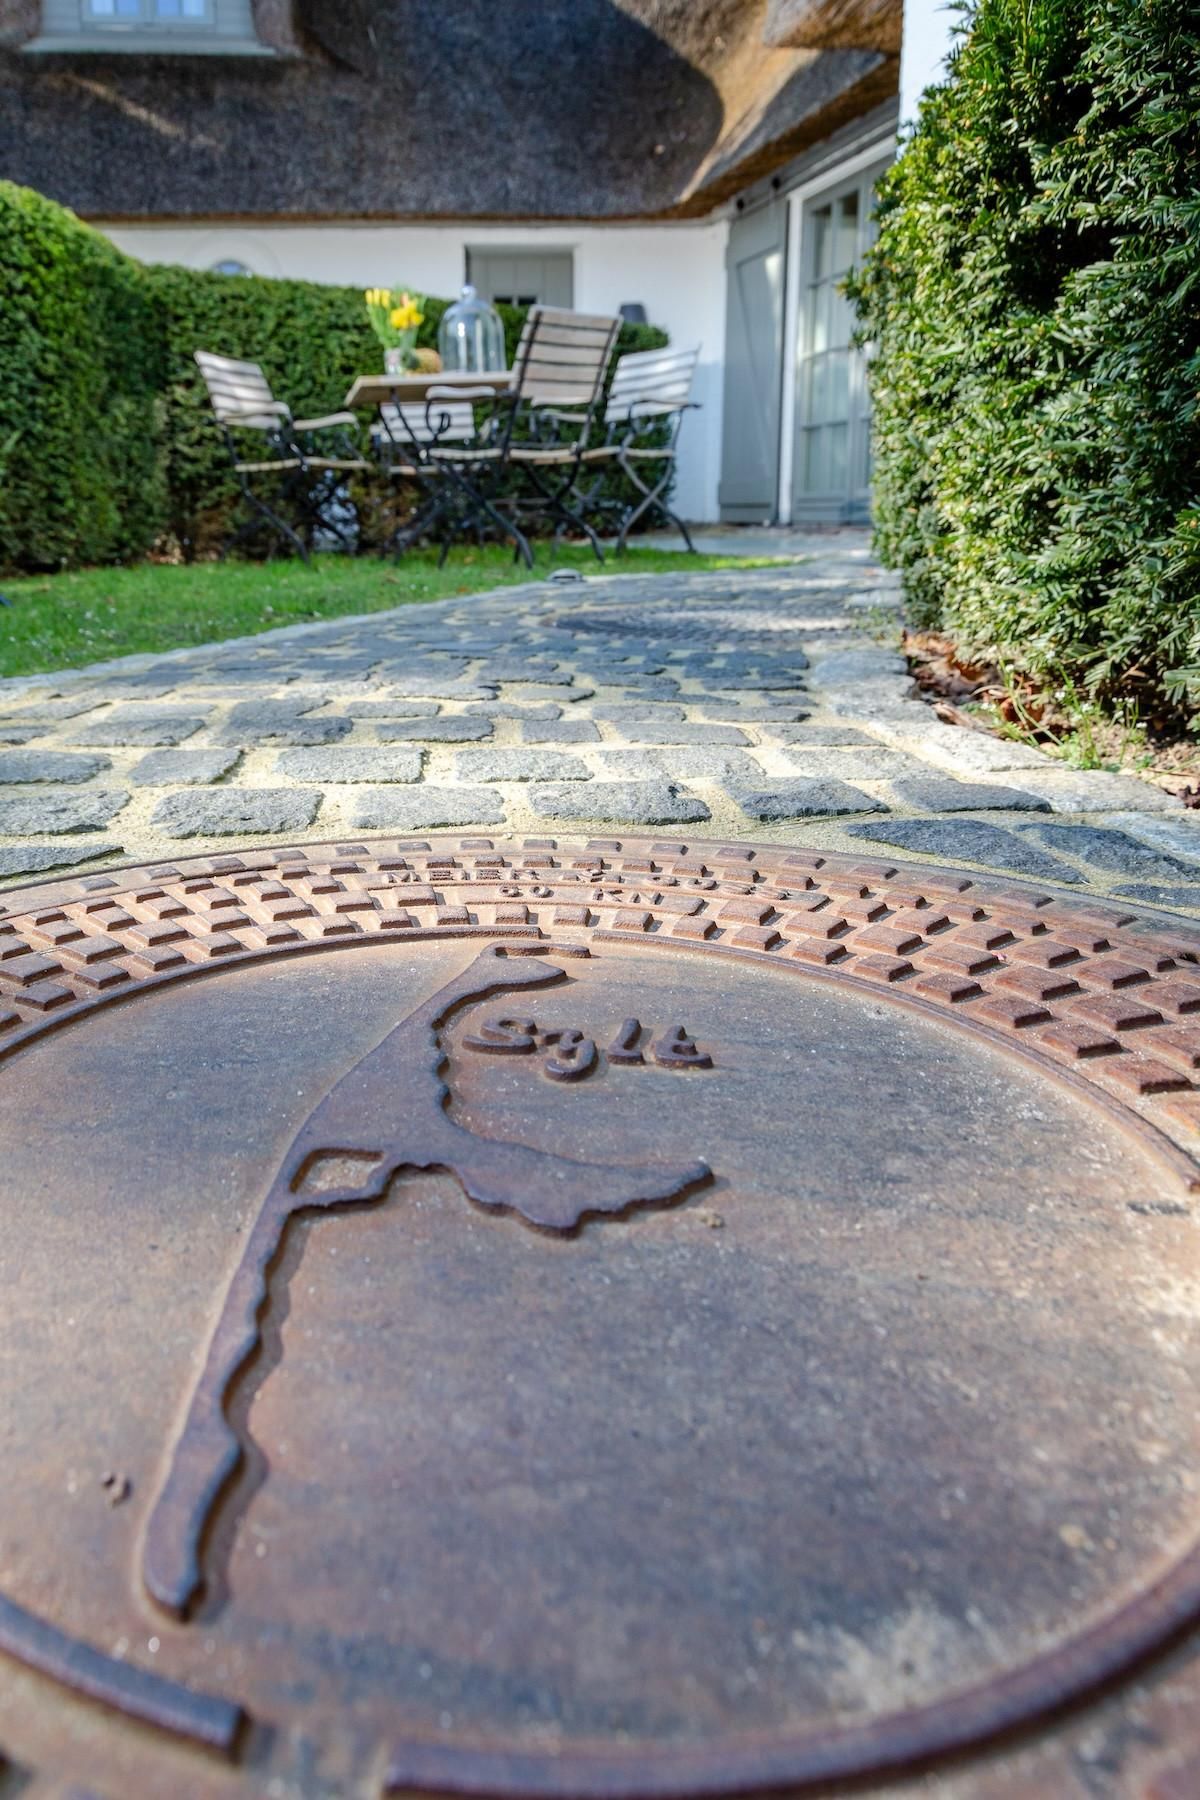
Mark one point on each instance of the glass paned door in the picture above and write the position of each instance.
(833, 440)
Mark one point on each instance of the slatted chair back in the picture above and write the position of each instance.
(445, 420)
(649, 384)
(563, 356)
(240, 393)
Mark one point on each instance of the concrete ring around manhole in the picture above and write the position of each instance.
(613, 1317)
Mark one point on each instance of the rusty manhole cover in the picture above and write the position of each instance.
(600, 1318)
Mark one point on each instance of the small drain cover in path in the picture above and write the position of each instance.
(612, 1318)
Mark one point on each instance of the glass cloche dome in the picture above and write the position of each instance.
(470, 335)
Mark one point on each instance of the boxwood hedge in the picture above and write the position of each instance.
(81, 383)
(107, 440)
(1033, 304)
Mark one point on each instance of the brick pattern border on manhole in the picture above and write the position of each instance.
(1108, 996)
(1109, 1000)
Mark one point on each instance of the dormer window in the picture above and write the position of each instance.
(124, 14)
(176, 27)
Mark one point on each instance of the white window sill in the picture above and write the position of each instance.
(109, 41)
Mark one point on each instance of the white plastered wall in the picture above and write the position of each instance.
(677, 272)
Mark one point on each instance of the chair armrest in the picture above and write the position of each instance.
(643, 414)
(338, 418)
(264, 415)
(459, 393)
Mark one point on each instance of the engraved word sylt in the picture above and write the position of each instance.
(567, 1054)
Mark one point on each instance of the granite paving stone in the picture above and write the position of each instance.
(520, 765)
(940, 793)
(20, 734)
(630, 712)
(434, 689)
(52, 712)
(799, 799)
(1094, 790)
(559, 731)
(350, 763)
(887, 705)
(1113, 851)
(449, 729)
(138, 728)
(733, 714)
(961, 751)
(150, 683)
(651, 689)
(1178, 832)
(969, 840)
(59, 810)
(509, 709)
(817, 735)
(390, 709)
(425, 808)
(1153, 895)
(524, 673)
(686, 761)
(847, 668)
(534, 691)
(183, 768)
(50, 765)
(254, 722)
(30, 859)
(633, 802)
(699, 732)
(235, 812)
(872, 763)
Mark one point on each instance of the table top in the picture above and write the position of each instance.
(376, 390)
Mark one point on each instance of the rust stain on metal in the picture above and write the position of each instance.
(445, 1436)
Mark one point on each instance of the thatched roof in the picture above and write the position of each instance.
(410, 109)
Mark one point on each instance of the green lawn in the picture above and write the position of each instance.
(64, 621)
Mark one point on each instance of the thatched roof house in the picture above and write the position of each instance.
(601, 151)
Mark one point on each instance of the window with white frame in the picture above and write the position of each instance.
(148, 12)
(223, 27)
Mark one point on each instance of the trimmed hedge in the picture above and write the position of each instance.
(81, 378)
(311, 341)
(107, 439)
(1034, 305)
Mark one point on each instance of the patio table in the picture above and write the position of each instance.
(451, 472)
(377, 390)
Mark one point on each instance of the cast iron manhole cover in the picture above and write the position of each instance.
(575, 1318)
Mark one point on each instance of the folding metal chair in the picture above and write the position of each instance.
(426, 441)
(647, 399)
(306, 479)
(562, 360)
(535, 429)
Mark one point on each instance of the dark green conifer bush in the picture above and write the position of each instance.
(1033, 302)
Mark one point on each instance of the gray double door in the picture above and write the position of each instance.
(830, 448)
(755, 267)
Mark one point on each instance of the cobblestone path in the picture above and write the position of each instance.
(758, 704)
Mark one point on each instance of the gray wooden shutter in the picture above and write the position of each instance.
(753, 362)
(547, 276)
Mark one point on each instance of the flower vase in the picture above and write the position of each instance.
(393, 360)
